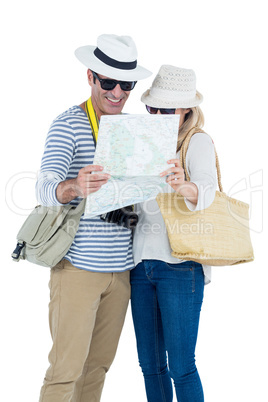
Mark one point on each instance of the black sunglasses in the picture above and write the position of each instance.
(108, 84)
(154, 110)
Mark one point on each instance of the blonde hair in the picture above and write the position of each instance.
(194, 121)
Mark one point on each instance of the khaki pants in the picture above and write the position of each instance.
(86, 316)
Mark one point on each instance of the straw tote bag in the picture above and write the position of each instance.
(217, 235)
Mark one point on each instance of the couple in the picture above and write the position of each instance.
(90, 287)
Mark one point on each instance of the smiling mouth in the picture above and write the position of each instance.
(114, 101)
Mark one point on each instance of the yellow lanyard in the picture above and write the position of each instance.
(93, 119)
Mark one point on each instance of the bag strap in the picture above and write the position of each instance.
(183, 152)
(81, 206)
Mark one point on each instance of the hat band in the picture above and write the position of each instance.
(114, 63)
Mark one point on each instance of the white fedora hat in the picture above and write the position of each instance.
(114, 57)
(173, 87)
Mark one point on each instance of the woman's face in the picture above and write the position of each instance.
(182, 113)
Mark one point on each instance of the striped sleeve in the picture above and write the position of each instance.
(58, 155)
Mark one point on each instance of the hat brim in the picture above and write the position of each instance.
(85, 54)
(153, 101)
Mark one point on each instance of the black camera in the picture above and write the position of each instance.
(125, 217)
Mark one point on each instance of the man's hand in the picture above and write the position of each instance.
(84, 184)
(88, 182)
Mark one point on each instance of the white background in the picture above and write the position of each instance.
(226, 44)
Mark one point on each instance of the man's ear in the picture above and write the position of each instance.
(90, 77)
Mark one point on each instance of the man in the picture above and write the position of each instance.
(89, 288)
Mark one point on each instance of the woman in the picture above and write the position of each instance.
(167, 293)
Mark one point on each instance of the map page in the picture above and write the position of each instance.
(134, 150)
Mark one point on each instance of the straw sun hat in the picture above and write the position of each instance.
(173, 87)
(114, 57)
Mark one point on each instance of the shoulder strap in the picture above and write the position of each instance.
(80, 209)
(93, 119)
(183, 152)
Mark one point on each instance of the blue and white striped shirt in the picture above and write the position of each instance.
(98, 246)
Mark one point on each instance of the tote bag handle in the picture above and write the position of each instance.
(183, 151)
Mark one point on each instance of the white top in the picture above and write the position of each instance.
(150, 236)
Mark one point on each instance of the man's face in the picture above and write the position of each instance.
(106, 102)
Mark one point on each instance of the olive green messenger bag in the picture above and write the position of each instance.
(47, 234)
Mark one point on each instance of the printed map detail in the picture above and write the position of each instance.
(134, 150)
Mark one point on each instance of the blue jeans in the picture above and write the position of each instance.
(166, 301)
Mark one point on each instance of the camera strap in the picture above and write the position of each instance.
(93, 119)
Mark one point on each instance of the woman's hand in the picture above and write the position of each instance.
(176, 180)
(176, 176)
